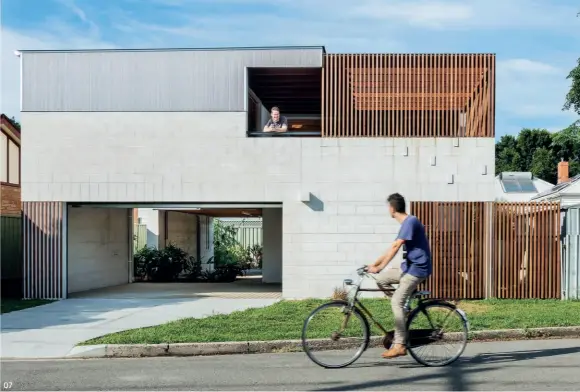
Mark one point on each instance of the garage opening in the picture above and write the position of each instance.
(160, 251)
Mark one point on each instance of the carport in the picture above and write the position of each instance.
(98, 255)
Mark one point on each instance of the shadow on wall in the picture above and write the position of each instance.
(314, 203)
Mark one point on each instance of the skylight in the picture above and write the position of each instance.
(518, 185)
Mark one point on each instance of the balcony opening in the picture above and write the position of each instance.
(297, 94)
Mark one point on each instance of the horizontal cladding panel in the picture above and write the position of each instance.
(134, 81)
(415, 95)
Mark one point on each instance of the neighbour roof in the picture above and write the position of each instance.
(559, 187)
(519, 182)
(15, 129)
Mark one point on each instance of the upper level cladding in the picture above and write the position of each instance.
(148, 80)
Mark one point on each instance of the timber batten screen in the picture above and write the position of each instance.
(43, 256)
(493, 249)
(408, 95)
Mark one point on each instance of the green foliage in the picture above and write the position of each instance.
(573, 96)
(539, 151)
(224, 244)
(223, 273)
(257, 254)
(160, 265)
(229, 252)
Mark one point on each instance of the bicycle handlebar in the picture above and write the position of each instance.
(362, 270)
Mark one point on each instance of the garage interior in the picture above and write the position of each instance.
(99, 252)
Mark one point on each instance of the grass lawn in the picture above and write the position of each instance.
(284, 320)
(11, 305)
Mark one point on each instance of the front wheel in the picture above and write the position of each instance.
(437, 328)
(335, 335)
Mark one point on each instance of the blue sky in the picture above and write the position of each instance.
(537, 42)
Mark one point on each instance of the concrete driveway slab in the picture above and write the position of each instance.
(51, 331)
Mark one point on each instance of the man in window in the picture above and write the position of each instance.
(276, 123)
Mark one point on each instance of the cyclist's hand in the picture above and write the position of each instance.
(372, 269)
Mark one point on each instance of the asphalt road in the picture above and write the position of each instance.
(527, 365)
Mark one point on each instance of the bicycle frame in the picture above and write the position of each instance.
(407, 308)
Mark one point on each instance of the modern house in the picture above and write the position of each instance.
(519, 186)
(181, 131)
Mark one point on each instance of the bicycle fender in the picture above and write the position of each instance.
(464, 317)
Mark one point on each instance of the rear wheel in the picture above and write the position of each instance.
(335, 335)
(437, 334)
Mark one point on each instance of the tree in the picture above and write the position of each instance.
(538, 151)
(507, 157)
(516, 153)
(16, 123)
(530, 140)
(544, 165)
(566, 146)
(573, 96)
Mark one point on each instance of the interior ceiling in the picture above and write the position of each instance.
(225, 212)
(293, 90)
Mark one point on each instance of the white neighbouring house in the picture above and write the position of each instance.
(567, 191)
(107, 131)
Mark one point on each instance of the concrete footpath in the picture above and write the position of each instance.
(53, 330)
(533, 365)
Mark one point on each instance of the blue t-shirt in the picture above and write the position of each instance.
(418, 261)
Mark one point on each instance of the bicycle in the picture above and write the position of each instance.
(417, 338)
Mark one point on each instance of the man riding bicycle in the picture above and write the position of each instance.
(415, 269)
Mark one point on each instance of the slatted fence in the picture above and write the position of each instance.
(489, 249)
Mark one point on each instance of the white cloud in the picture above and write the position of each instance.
(468, 14)
(532, 89)
(425, 13)
(528, 66)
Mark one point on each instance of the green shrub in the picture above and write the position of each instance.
(159, 265)
(257, 253)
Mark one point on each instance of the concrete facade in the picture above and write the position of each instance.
(98, 248)
(342, 223)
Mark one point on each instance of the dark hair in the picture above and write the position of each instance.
(397, 202)
(275, 108)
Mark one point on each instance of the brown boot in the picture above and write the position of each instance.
(396, 350)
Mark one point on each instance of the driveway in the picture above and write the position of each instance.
(53, 330)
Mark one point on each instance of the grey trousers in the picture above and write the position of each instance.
(407, 284)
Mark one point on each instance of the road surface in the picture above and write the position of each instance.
(526, 365)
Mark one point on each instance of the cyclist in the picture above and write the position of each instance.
(414, 270)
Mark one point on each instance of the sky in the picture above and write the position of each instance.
(537, 42)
